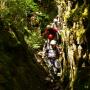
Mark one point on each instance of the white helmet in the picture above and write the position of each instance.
(53, 42)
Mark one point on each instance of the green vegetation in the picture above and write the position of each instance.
(21, 25)
(18, 40)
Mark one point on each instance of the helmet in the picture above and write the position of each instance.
(53, 42)
(50, 36)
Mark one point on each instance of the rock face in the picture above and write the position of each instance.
(75, 21)
(20, 71)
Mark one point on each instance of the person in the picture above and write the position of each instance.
(56, 21)
(52, 53)
(51, 31)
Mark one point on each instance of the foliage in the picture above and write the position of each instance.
(35, 41)
(75, 15)
(46, 6)
(14, 17)
(18, 67)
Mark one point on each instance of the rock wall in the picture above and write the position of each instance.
(75, 21)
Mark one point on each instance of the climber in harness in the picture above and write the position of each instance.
(51, 33)
(52, 53)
